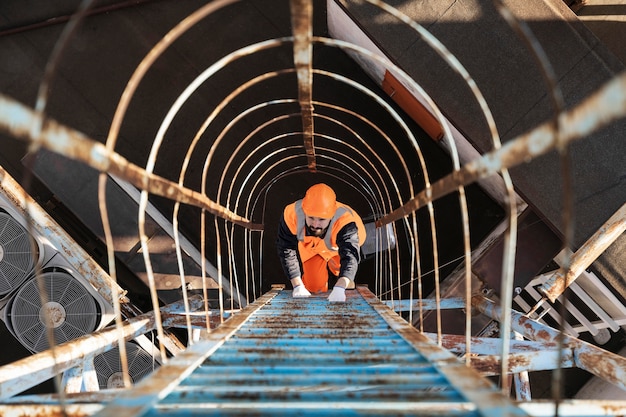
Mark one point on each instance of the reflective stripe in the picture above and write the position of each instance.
(300, 220)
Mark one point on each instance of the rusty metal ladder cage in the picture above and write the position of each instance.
(428, 368)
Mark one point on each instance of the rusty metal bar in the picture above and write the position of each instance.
(524, 356)
(586, 255)
(426, 304)
(598, 110)
(601, 363)
(490, 345)
(30, 371)
(491, 365)
(81, 378)
(197, 320)
(522, 379)
(302, 27)
(522, 386)
(45, 226)
(20, 119)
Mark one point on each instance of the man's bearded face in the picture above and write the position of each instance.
(317, 225)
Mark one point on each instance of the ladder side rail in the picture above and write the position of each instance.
(139, 399)
(488, 400)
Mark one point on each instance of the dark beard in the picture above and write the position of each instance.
(316, 232)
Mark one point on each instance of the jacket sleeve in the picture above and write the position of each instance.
(349, 250)
(287, 249)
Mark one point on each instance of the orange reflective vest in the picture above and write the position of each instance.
(309, 246)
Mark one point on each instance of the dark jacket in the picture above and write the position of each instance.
(347, 242)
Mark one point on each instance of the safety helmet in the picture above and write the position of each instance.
(320, 201)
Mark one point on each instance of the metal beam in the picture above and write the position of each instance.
(425, 304)
(73, 410)
(491, 365)
(585, 255)
(20, 121)
(490, 345)
(572, 408)
(603, 364)
(33, 370)
(44, 225)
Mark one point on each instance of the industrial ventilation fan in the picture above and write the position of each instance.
(109, 367)
(68, 308)
(17, 259)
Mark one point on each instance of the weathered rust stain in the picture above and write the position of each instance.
(493, 364)
(599, 365)
(301, 22)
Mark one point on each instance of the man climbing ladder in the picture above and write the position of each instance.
(325, 237)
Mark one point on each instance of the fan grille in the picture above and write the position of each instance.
(72, 311)
(17, 260)
(109, 368)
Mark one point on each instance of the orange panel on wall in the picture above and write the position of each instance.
(412, 106)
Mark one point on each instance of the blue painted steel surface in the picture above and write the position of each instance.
(426, 304)
(311, 357)
(300, 357)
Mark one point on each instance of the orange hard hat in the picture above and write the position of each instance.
(320, 201)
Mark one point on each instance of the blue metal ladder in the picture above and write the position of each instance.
(301, 357)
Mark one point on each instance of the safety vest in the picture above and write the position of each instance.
(309, 246)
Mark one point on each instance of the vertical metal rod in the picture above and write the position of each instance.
(143, 237)
(522, 380)
(302, 26)
(110, 249)
(72, 379)
(508, 269)
(218, 255)
(556, 96)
